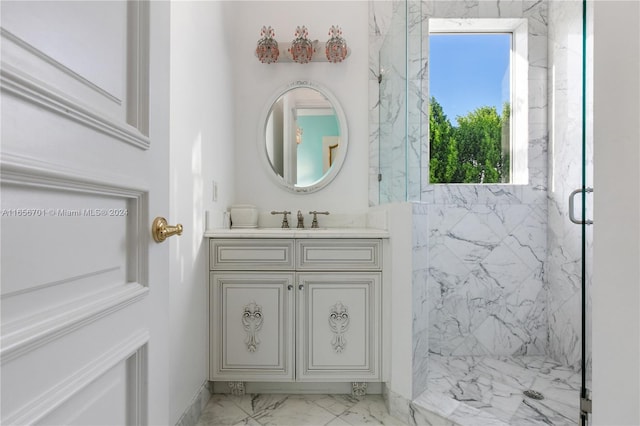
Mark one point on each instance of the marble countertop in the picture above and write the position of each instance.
(297, 233)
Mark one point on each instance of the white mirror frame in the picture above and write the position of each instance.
(344, 138)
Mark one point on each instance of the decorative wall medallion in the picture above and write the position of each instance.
(301, 49)
(336, 47)
(339, 323)
(252, 323)
(267, 50)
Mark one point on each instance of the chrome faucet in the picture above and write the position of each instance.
(300, 220)
(314, 223)
(285, 222)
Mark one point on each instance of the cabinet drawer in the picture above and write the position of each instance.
(262, 254)
(338, 255)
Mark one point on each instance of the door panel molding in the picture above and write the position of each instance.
(133, 351)
(138, 42)
(28, 334)
(9, 37)
(33, 74)
(61, 282)
(16, 83)
(112, 288)
(22, 170)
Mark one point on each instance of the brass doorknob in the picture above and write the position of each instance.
(161, 230)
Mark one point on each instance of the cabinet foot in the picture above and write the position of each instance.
(358, 388)
(236, 388)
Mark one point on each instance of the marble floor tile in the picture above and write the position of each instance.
(419, 416)
(221, 411)
(338, 422)
(369, 411)
(536, 413)
(469, 416)
(440, 403)
(296, 410)
(462, 391)
(489, 391)
(489, 395)
(254, 404)
(336, 404)
(247, 422)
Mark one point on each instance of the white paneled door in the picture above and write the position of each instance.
(84, 169)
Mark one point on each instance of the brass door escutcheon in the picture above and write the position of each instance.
(161, 230)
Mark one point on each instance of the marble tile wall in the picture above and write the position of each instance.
(419, 289)
(486, 251)
(486, 290)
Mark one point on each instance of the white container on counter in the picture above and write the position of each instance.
(244, 216)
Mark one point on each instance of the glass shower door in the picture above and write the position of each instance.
(570, 194)
(393, 109)
(586, 224)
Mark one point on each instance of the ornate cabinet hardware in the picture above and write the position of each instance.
(339, 323)
(252, 323)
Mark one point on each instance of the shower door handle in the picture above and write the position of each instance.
(572, 216)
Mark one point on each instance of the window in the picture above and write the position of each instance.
(478, 101)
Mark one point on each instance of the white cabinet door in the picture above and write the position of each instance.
(252, 326)
(338, 326)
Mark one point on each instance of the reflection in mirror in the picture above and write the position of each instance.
(305, 137)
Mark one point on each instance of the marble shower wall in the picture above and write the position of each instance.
(565, 174)
(486, 290)
(487, 244)
(420, 295)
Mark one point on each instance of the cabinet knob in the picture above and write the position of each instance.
(290, 287)
(300, 287)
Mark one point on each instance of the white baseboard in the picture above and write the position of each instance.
(194, 410)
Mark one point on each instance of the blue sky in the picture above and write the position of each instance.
(467, 71)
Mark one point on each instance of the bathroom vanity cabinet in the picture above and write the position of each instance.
(295, 309)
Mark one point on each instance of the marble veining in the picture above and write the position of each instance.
(296, 410)
(485, 255)
(486, 279)
(463, 390)
(485, 390)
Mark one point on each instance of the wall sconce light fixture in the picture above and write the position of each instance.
(336, 47)
(301, 50)
(267, 50)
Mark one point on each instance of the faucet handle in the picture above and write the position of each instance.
(314, 223)
(285, 222)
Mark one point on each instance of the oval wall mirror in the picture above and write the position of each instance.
(303, 137)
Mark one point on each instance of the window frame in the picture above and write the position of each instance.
(519, 82)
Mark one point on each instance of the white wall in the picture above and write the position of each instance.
(255, 82)
(201, 150)
(616, 282)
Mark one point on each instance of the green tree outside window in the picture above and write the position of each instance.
(474, 151)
